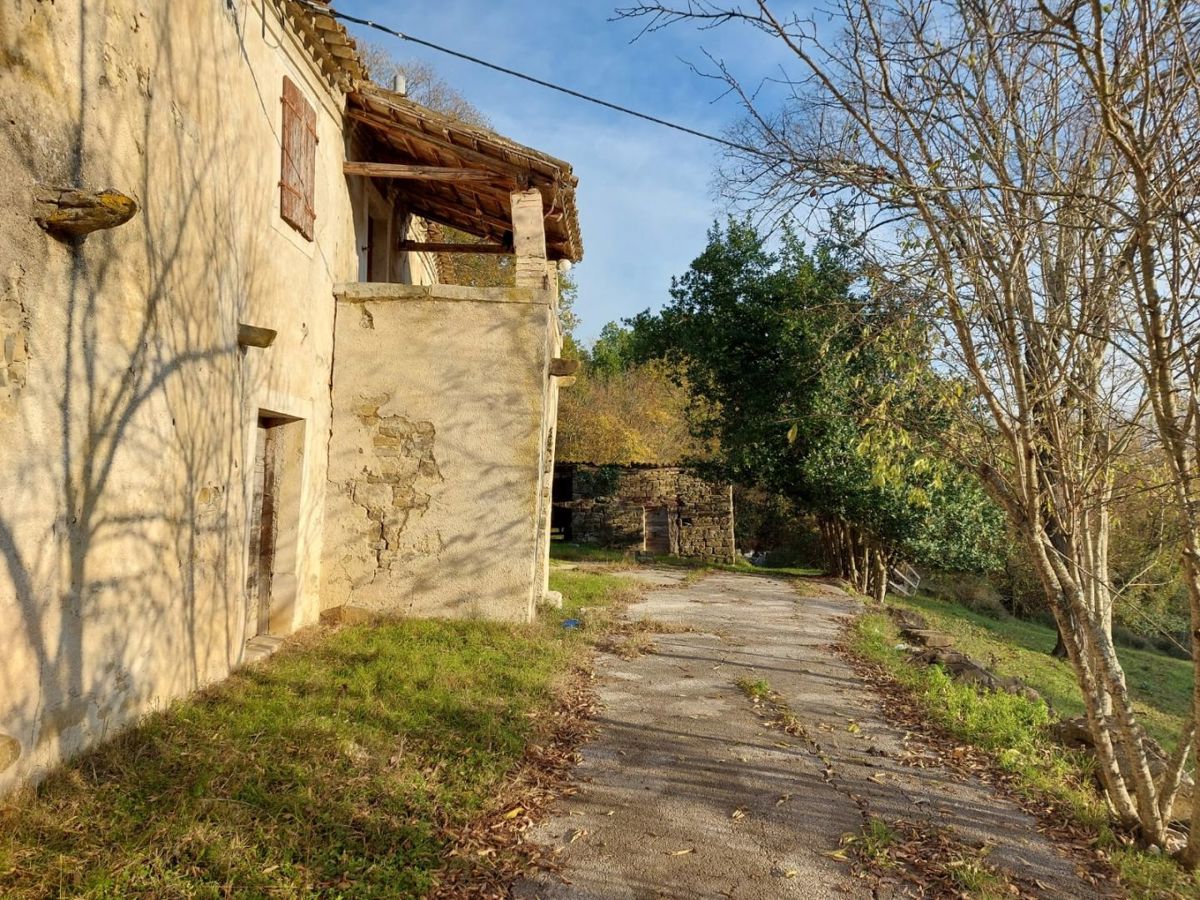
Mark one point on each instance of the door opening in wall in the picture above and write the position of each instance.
(562, 492)
(271, 577)
(658, 530)
(380, 249)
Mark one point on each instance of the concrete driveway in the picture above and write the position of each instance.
(689, 791)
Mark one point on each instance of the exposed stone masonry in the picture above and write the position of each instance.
(14, 349)
(394, 486)
(612, 505)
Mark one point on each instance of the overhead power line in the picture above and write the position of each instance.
(579, 95)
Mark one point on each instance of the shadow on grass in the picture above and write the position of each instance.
(341, 764)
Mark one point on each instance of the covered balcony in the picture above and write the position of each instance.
(445, 396)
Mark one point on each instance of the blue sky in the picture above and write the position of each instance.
(645, 192)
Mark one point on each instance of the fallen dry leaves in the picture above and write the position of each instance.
(631, 639)
(931, 860)
(929, 746)
(491, 852)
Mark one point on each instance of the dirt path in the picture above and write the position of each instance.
(687, 791)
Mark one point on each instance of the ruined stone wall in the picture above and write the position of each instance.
(438, 441)
(609, 503)
(127, 409)
(706, 519)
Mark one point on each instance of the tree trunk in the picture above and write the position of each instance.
(1058, 584)
(1191, 569)
(879, 576)
(1060, 646)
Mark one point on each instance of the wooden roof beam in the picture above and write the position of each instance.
(426, 208)
(520, 174)
(417, 173)
(441, 247)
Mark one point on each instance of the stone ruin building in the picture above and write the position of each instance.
(661, 510)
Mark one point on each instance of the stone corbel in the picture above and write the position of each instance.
(255, 336)
(75, 212)
(561, 367)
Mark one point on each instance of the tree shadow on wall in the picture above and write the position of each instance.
(122, 509)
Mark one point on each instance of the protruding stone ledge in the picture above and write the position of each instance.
(75, 212)
(561, 367)
(386, 292)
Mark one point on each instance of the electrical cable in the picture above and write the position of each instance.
(368, 23)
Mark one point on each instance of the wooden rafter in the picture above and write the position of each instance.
(464, 154)
(441, 247)
(416, 173)
(456, 215)
(460, 175)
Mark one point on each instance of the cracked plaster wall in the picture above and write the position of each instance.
(436, 451)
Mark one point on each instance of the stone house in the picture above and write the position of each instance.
(664, 510)
(233, 392)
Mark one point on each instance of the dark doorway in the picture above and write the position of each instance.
(274, 525)
(562, 491)
(379, 254)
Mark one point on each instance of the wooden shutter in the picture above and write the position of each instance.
(298, 182)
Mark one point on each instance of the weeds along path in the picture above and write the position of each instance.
(736, 751)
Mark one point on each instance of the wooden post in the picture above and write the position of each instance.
(529, 238)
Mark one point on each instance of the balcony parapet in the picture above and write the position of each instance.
(385, 292)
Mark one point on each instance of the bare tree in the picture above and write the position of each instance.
(964, 135)
(1139, 60)
(422, 83)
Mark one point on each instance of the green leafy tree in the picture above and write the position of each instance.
(612, 351)
(823, 392)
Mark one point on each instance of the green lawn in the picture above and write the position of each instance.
(1011, 730)
(341, 767)
(1160, 684)
(587, 553)
(569, 552)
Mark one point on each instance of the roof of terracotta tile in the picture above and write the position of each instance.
(326, 39)
(401, 131)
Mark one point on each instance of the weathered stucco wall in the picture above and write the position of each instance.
(436, 450)
(609, 504)
(128, 411)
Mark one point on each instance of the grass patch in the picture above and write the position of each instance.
(878, 837)
(975, 878)
(761, 694)
(757, 690)
(342, 766)
(630, 640)
(1013, 731)
(1161, 684)
(586, 553)
(593, 599)
(569, 552)
(745, 568)
(931, 858)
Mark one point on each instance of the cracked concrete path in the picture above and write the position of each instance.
(686, 791)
